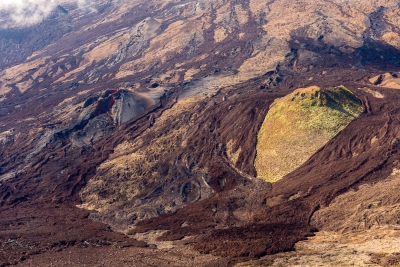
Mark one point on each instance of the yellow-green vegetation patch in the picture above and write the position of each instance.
(300, 123)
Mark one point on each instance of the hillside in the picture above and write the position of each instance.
(132, 132)
(299, 124)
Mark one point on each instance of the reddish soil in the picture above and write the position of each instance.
(277, 221)
(41, 218)
(245, 218)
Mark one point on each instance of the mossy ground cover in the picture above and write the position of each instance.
(300, 123)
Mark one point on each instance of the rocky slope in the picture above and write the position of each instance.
(135, 124)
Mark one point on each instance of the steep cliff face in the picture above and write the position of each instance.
(147, 114)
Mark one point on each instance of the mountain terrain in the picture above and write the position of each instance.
(139, 133)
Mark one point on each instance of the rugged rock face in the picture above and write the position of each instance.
(145, 115)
